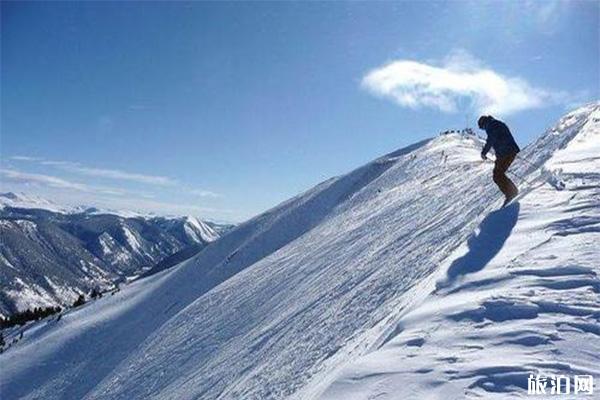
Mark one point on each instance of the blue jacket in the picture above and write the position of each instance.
(499, 138)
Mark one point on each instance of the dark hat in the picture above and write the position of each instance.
(483, 120)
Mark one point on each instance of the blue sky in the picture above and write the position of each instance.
(224, 110)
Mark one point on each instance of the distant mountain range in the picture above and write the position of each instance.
(49, 254)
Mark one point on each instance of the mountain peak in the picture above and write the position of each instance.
(9, 195)
(22, 200)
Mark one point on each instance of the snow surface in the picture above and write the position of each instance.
(397, 280)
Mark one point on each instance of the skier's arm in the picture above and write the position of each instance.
(486, 148)
(492, 136)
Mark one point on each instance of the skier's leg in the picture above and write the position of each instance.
(506, 186)
(513, 190)
(500, 178)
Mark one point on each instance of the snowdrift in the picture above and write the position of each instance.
(374, 283)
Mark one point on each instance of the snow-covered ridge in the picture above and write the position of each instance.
(289, 303)
(22, 200)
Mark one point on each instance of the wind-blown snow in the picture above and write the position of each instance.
(582, 154)
(397, 278)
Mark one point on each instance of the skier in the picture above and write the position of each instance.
(501, 140)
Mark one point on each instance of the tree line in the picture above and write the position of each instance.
(37, 313)
(21, 318)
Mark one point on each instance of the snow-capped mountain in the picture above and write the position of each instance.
(50, 254)
(22, 200)
(188, 229)
(401, 279)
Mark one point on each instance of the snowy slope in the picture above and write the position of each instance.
(289, 303)
(520, 297)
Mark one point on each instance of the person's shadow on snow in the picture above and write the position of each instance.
(483, 246)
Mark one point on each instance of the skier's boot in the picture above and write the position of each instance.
(513, 192)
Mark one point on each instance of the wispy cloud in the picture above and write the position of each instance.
(101, 172)
(28, 179)
(120, 175)
(39, 179)
(74, 193)
(25, 158)
(91, 172)
(547, 14)
(57, 163)
(204, 193)
(458, 83)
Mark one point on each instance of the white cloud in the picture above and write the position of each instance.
(120, 175)
(24, 158)
(460, 83)
(101, 172)
(38, 179)
(204, 193)
(57, 163)
(114, 174)
(26, 178)
(548, 16)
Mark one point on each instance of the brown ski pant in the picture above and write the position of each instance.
(504, 183)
